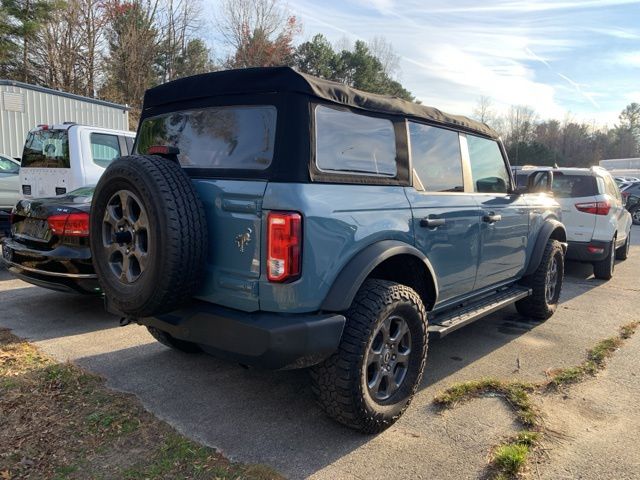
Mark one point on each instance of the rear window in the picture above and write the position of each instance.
(567, 186)
(347, 142)
(237, 137)
(46, 149)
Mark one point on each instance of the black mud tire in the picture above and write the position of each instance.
(340, 382)
(542, 303)
(176, 235)
(622, 253)
(603, 270)
(172, 342)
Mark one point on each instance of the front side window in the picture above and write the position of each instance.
(104, 149)
(488, 169)
(348, 142)
(236, 137)
(46, 149)
(435, 154)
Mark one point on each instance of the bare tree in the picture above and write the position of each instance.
(383, 50)
(69, 45)
(179, 21)
(483, 111)
(260, 32)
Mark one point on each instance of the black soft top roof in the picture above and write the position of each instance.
(286, 79)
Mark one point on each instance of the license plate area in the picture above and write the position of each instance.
(33, 228)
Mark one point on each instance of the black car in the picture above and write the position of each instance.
(49, 243)
(633, 206)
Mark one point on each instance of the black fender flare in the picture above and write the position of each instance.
(551, 225)
(355, 272)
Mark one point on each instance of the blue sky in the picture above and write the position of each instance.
(577, 56)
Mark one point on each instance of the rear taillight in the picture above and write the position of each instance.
(284, 246)
(595, 208)
(70, 225)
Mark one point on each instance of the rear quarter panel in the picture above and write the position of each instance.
(338, 222)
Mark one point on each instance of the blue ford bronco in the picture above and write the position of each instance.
(284, 221)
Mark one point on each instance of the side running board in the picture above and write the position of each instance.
(451, 320)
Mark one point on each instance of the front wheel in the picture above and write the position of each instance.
(635, 216)
(545, 283)
(370, 380)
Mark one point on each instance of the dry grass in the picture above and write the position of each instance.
(596, 359)
(59, 422)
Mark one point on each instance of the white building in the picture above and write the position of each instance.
(622, 167)
(24, 106)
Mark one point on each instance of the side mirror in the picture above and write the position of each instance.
(540, 181)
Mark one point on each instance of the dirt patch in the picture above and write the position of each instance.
(60, 422)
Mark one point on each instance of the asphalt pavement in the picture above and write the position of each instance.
(270, 417)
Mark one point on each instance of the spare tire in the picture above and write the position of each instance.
(148, 235)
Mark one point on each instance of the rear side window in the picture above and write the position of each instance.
(568, 186)
(436, 159)
(612, 188)
(237, 137)
(46, 149)
(488, 170)
(104, 148)
(348, 142)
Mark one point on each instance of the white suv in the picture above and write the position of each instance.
(598, 225)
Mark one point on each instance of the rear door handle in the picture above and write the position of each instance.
(492, 217)
(429, 222)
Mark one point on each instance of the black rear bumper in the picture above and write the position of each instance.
(263, 339)
(581, 252)
(66, 269)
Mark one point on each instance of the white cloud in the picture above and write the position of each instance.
(629, 59)
(533, 6)
(452, 53)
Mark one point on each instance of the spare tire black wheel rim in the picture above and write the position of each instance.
(387, 360)
(125, 236)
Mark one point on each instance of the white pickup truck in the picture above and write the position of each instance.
(60, 158)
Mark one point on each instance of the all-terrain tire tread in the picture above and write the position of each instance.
(185, 238)
(535, 306)
(336, 381)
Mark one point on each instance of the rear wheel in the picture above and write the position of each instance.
(623, 252)
(603, 269)
(635, 216)
(172, 342)
(370, 380)
(545, 283)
